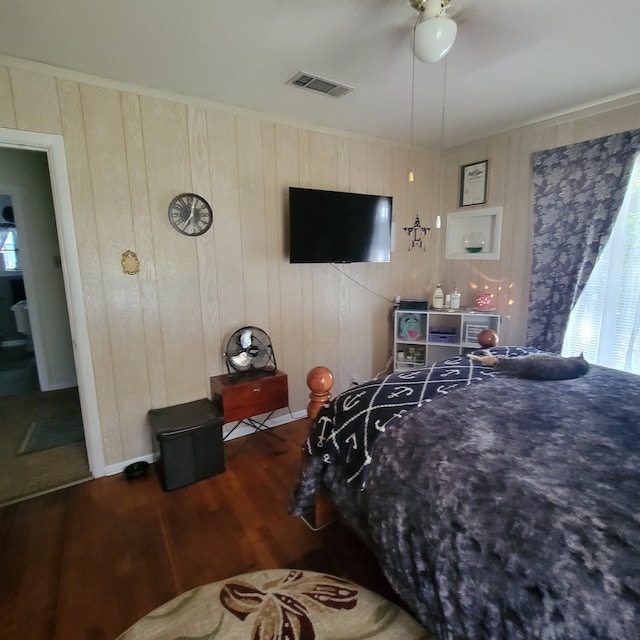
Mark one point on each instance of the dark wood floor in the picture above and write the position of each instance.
(88, 561)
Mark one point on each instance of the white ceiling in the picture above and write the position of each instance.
(514, 61)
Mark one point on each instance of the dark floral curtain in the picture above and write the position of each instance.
(577, 193)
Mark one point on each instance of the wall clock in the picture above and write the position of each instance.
(190, 214)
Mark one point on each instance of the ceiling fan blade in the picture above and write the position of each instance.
(488, 36)
(367, 36)
(459, 10)
(371, 54)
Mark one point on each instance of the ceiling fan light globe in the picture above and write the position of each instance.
(434, 38)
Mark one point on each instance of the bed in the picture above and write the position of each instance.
(498, 507)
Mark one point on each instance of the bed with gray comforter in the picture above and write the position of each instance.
(498, 507)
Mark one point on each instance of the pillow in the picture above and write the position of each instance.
(536, 366)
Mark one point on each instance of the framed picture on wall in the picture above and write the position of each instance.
(473, 183)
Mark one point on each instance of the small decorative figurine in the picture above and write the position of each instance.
(417, 234)
(409, 328)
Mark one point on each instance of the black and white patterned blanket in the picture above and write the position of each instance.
(506, 510)
(347, 428)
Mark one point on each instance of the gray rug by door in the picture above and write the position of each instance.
(53, 432)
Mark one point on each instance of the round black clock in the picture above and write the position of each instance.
(190, 214)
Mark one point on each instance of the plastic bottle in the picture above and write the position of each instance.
(438, 297)
(455, 298)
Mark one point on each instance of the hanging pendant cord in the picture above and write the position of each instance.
(413, 94)
(444, 103)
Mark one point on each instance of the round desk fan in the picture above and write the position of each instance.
(249, 349)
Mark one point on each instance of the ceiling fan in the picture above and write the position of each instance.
(375, 35)
(434, 33)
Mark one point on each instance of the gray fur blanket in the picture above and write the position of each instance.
(508, 509)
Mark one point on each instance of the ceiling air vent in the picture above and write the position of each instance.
(321, 85)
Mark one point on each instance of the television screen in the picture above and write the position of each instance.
(333, 226)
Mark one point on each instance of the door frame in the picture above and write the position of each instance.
(53, 146)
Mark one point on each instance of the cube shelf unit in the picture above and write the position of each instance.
(421, 338)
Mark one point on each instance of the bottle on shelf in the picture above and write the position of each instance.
(455, 297)
(438, 297)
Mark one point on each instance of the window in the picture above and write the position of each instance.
(9, 249)
(605, 323)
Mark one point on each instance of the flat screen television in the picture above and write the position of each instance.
(333, 226)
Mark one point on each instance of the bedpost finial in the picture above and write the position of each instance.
(320, 381)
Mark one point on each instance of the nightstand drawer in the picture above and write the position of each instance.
(249, 395)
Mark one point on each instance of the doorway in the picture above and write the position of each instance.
(41, 314)
(41, 436)
(53, 147)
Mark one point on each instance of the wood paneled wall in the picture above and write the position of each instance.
(156, 337)
(510, 187)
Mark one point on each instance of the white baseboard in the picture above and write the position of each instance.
(242, 430)
(62, 385)
(13, 343)
(118, 467)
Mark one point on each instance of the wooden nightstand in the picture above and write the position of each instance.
(251, 394)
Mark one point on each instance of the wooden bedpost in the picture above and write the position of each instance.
(320, 381)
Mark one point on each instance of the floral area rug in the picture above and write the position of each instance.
(278, 604)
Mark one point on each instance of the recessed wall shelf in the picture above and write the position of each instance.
(474, 235)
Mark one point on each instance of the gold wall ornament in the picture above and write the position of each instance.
(130, 263)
